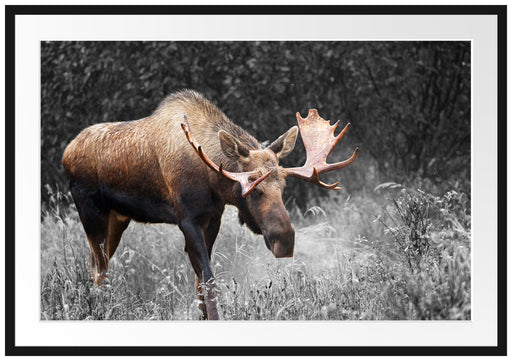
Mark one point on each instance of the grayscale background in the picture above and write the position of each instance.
(394, 243)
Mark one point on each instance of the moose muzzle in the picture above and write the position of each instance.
(281, 243)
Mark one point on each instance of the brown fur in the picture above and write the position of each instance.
(147, 171)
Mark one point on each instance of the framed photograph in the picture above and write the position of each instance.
(174, 180)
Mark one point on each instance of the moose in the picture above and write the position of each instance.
(182, 165)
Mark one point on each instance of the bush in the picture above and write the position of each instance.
(432, 239)
(409, 102)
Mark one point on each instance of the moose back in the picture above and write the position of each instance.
(182, 165)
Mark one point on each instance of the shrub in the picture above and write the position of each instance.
(432, 239)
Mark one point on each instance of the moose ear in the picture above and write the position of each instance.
(284, 145)
(232, 147)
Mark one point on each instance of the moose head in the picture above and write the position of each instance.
(262, 179)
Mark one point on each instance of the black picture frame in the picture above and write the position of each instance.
(10, 182)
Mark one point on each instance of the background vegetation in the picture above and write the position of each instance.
(393, 244)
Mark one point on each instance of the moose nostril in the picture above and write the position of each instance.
(281, 250)
(282, 242)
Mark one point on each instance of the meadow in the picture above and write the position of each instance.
(390, 253)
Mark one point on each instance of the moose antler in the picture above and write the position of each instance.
(319, 141)
(240, 177)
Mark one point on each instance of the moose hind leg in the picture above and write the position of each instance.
(98, 257)
(95, 221)
(117, 224)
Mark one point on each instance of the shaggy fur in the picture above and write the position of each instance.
(147, 171)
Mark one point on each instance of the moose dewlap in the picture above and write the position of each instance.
(181, 165)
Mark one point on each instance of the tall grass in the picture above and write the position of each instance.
(389, 254)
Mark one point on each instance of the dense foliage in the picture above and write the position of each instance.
(408, 102)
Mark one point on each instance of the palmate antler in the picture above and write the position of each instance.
(240, 177)
(319, 141)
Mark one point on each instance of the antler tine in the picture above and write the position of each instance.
(319, 141)
(240, 177)
(339, 136)
(335, 125)
(343, 164)
(316, 179)
(248, 188)
(198, 148)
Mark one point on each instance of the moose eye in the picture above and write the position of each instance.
(257, 193)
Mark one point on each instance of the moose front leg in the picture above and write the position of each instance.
(199, 257)
(210, 234)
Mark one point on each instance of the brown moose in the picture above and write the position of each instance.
(182, 165)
